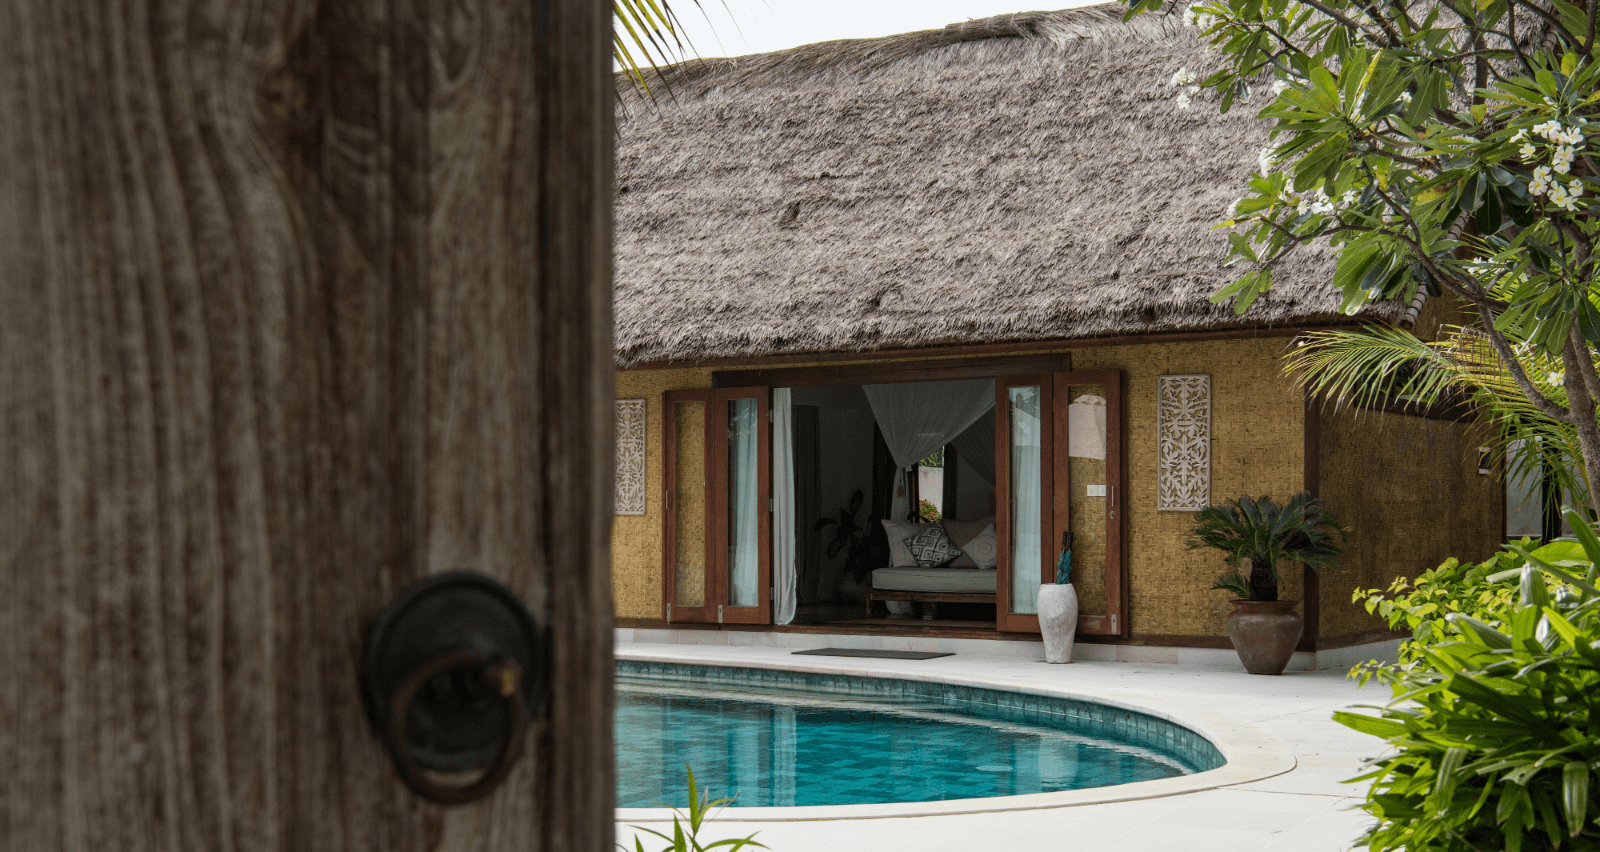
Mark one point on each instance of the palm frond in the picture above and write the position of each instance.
(1372, 366)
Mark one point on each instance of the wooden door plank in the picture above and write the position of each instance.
(302, 302)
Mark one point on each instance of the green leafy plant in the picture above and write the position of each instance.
(1494, 727)
(1261, 531)
(686, 827)
(927, 511)
(1421, 606)
(861, 554)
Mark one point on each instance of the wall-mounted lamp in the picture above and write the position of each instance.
(452, 672)
(1483, 461)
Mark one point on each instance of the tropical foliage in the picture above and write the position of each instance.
(1494, 724)
(646, 31)
(1435, 146)
(1421, 606)
(686, 827)
(1265, 533)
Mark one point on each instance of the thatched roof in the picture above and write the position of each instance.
(1025, 177)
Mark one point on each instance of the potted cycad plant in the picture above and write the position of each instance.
(1264, 629)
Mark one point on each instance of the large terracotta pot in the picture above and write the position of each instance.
(1264, 634)
(1058, 620)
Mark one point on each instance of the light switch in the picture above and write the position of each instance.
(1097, 491)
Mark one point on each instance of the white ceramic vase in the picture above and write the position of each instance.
(1058, 620)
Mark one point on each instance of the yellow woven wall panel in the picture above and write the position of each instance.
(636, 558)
(1410, 493)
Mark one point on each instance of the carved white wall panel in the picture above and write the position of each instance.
(630, 456)
(1183, 459)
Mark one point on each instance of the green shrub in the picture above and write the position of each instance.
(1496, 727)
(1421, 605)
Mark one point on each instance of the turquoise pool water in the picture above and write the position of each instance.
(795, 739)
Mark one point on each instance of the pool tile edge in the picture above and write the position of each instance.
(1251, 753)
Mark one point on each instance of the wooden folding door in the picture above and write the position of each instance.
(716, 477)
(1058, 463)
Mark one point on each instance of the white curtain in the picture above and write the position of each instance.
(1026, 440)
(744, 509)
(976, 447)
(783, 508)
(917, 418)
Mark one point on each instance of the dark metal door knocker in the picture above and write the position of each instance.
(451, 673)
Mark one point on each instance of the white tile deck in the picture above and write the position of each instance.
(1306, 808)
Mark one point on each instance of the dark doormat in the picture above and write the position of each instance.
(877, 655)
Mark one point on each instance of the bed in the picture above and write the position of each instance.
(968, 578)
(932, 585)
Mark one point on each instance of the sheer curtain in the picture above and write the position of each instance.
(744, 511)
(783, 507)
(917, 418)
(1026, 499)
(976, 446)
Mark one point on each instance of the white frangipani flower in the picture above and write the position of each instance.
(1278, 87)
(1405, 97)
(1193, 17)
(1541, 181)
(1314, 202)
(1561, 159)
(1527, 151)
(1183, 100)
(1265, 160)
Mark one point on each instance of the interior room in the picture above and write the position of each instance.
(874, 466)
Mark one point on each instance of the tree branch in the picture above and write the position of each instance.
(1518, 375)
(1341, 17)
(1588, 38)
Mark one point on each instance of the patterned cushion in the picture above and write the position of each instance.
(897, 532)
(932, 546)
(962, 532)
(983, 548)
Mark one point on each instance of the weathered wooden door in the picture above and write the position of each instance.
(299, 302)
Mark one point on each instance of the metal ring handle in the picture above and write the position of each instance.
(506, 677)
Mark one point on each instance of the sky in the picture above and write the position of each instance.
(738, 27)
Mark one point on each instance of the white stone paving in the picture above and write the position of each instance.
(1307, 808)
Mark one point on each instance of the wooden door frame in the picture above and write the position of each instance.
(717, 502)
(671, 612)
(1114, 621)
(1005, 620)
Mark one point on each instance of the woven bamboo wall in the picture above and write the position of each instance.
(636, 539)
(1257, 447)
(1410, 493)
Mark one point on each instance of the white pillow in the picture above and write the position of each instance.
(983, 549)
(962, 532)
(898, 531)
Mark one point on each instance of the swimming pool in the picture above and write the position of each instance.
(786, 738)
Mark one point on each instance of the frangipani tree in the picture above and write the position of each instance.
(1441, 145)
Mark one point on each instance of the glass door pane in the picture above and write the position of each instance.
(744, 507)
(1087, 493)
(689, 506)
(1026, 497)
(1087, 503)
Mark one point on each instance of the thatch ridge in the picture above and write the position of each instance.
(1021, 177)
(859, 57)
